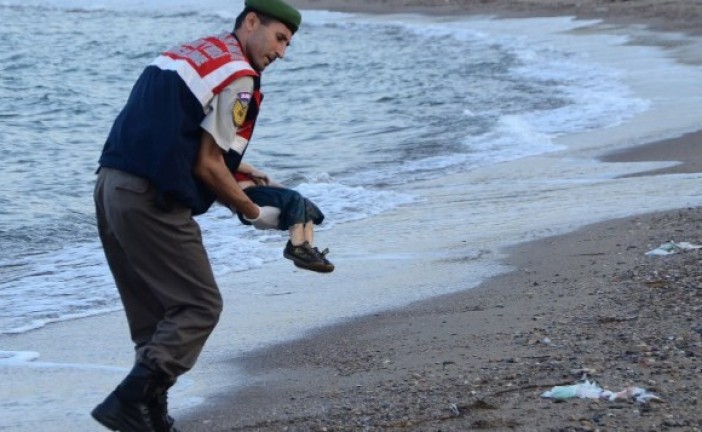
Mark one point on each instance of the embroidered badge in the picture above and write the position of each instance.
(240, 108)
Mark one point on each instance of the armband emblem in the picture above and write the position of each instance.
(240, 108)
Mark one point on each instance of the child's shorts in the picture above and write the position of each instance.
(294, 208)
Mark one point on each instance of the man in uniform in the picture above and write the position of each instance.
(170, 154)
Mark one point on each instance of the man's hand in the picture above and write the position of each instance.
(259, 177)
(268, 218)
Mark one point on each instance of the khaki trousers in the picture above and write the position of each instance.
(161, 270)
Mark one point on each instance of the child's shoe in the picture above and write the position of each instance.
(308, 257)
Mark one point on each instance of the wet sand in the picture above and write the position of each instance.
(587, 303)
(680, 149)
(590, 303)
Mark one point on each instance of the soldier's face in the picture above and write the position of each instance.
(267, 42)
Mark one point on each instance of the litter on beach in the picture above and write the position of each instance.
(590, 390)
(672, 247)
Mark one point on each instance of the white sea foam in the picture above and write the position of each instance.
(359, 161)
(28, 359)
(70, 280)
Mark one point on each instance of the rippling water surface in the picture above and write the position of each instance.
(357, 111)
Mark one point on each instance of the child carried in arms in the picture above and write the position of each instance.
(298, 215)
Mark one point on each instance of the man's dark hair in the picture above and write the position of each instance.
(264, 18)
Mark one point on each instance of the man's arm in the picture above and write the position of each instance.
(211, 170)
(259, 177)
(219, 132)
(245, 167)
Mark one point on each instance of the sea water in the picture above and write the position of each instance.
(361, 112)
(356, 112)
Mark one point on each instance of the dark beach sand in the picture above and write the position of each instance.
(588, 302)
(682, 149)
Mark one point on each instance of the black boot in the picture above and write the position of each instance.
(159, 406)
(129, 407)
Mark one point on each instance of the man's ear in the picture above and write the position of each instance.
(251, 21)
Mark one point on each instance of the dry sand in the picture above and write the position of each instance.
(589, 303)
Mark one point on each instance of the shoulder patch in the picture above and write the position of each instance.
(240, 108)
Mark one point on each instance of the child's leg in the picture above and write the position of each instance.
(308, 229)
(298, 234)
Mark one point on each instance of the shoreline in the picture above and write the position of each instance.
(285, 356)
(587, 302)
(675, 149)
(530, 329)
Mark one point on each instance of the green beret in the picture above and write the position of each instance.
(279, 10)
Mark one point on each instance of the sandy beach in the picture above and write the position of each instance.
(590, 303)
(585, 304)
(496, 282)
